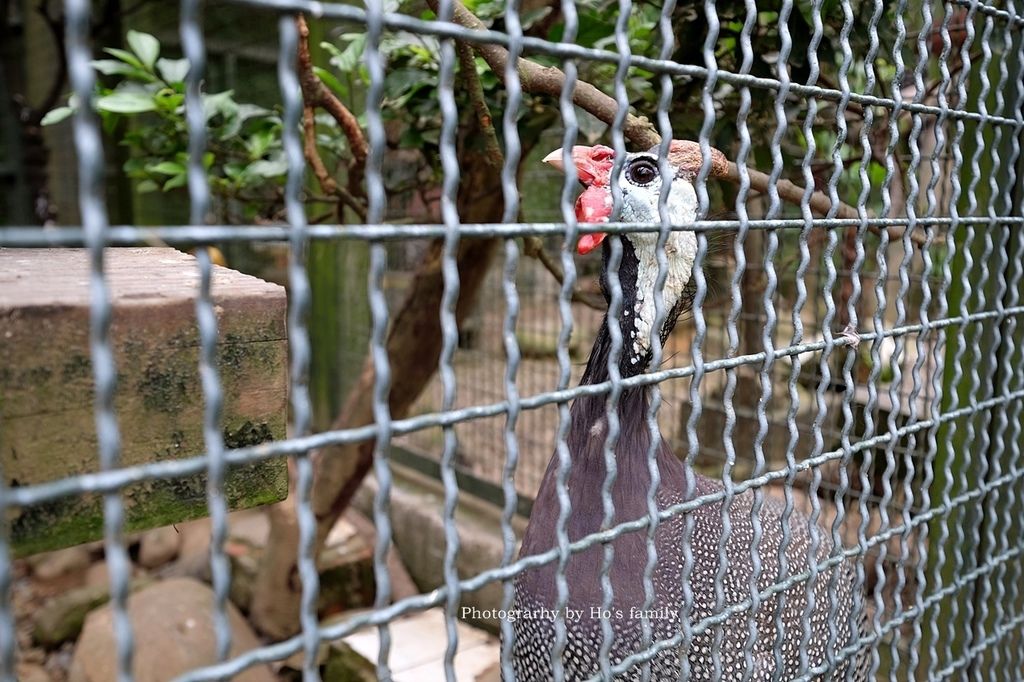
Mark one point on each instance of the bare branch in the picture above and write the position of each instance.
(323, 176)
(548, 80)
(534, 248)
(315, 93)
(475, 90)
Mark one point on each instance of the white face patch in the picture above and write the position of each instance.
(640, 205)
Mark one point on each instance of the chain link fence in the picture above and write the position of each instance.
(858, 362)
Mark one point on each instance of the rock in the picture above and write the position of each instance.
(60, 618)
(97, 575)
(54, 565)
(346, 570)
(250, 527)
(195, 539)
(491, 674)
(159, 546)
(244, 568)
(418, 645)
(402, 585)
(30, 672)
(345, 665)
(172, 622)
(59, 662)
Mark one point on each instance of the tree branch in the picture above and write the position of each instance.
(315, 93)
(323, 176)
(542, 80)
(548, 80)
(475, 90)
(534, 248)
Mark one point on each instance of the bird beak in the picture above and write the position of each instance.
(582, 157)
(593, 168)
(555, 159)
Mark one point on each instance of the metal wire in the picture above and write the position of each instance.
(571, 228)
(298, 338)
(510, 343)
(125, 235)
(917, 469)
(89, 148)
(206, 318)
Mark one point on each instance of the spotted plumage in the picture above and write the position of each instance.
(687, 576)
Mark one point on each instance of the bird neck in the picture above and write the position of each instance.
(586, 441)
(589, 412)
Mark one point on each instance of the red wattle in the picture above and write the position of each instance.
(593, 206)
(589, 242)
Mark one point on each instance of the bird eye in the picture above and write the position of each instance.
(642, 172)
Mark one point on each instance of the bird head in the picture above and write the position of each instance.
(640, 182)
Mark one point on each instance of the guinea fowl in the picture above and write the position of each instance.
(768, 654)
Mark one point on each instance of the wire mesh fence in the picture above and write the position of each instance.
(854, 357)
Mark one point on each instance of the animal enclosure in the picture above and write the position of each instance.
(853, 349)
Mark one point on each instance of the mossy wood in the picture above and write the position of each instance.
(47, 428)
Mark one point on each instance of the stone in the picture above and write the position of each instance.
(244, 568)
(54, 565)
(418, 534)
(60, 618)
(346, 570)
(172, 623)
(30, 672)
(251, 527)
(159, 546)
(490, 674)
(97, 575)
(418, 644)
(345, 665)
(195, 538)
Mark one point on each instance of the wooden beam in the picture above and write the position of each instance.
(47, 429)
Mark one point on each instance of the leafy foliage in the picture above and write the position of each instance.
(145, 108)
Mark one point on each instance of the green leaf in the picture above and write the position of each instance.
(112, 67)
(330, 48)
(126, 102)
(167, 168)
(168, 100)
(145, 47)
(259, 142)
(404, 82)
(222, 103)
(351, 56)
(411, 139)
(175, 182)
(172, 70)
(331, 81)
(146, 186)
(531, 17)
(57, 115)
(126, 57)
(269, 169)
(247, 111)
